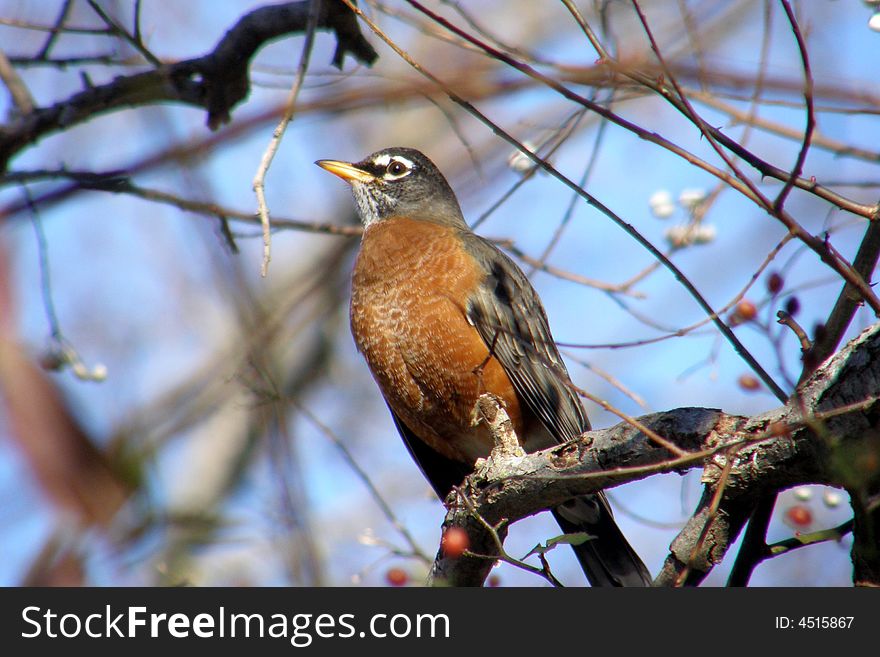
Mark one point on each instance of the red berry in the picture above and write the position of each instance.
(746, 310)
(454, 542)
(799, 516)
(749, 383)
(396, 577)
(775, 283)
(494, 581)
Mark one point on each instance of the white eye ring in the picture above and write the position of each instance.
(397, 169)
(396, 166)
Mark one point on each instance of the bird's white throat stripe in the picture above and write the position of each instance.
(368, 202)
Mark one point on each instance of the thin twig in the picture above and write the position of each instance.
(612, 380)
(278, 133)
(21, 96)
(720, 487)
(582, 182)
(362, 474)
(117, 182)
(786, 319)
(133, 41)
(45, 276)
(717, 139)
(555, 142)
(503, 555)
(847, 302)
(674, 333)
(62, 352)
(565, 275)
(803, 540)
(633, 422)
(808, 100)
(53, 35)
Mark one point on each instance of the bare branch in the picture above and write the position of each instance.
(768, 452)
(21, 97)
(259, 182)
(217, 81)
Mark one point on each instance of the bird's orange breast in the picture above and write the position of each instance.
(410, 287)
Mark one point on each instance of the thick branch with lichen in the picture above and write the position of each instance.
(823, 436)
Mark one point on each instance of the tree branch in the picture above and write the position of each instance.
(217, 81)
(768, 452)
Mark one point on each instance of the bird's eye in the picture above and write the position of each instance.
(396, 168)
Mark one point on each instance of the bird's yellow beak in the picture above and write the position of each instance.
(347, 171)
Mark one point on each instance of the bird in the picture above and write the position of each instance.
(441, 315)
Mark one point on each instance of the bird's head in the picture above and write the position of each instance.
(398, 182)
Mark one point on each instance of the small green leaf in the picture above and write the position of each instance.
(576, 538)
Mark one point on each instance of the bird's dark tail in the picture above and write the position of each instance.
(607, 559)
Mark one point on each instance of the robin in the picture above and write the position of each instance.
(442, 316)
